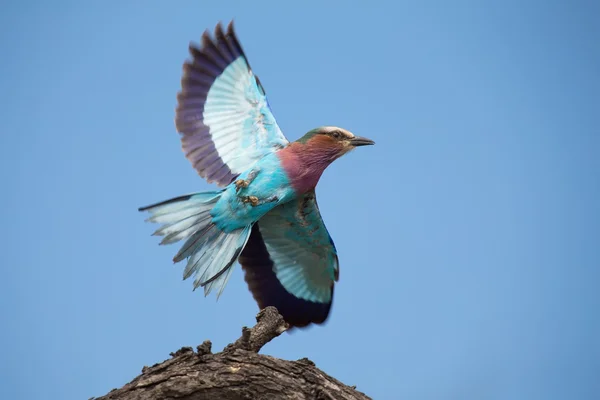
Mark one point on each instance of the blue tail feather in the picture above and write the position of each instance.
(210, 252)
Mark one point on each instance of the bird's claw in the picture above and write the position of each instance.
(244, 183)
(254, 201)
(241, 184)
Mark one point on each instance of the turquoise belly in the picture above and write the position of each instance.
(231, 213)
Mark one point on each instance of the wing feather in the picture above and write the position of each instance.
(290, 262)
(222, 114)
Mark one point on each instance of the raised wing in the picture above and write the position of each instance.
(223, 115)
(290, 262)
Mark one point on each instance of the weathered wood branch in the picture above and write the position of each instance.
(238, 372)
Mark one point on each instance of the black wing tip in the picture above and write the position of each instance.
(230, 27)
(215, 50)
(297, 313)
(165, 202)
(314, 314)
(320, 313)
(218, 32)
(206, 37)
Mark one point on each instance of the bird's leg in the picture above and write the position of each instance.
(244, 183)
(255, 201)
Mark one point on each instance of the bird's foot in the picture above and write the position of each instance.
(244, 183)
(255, 201)
(241, 184)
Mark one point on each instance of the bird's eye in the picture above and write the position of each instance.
(336, 134)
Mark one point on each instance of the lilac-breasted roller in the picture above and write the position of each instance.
(265, 214)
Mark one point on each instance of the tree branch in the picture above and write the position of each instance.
(269, 325)
(238, 372)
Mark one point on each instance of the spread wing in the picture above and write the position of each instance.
(222, 113)
(290, 262)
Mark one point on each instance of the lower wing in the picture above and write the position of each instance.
(291, 263)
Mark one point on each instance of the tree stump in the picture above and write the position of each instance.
(236, 373)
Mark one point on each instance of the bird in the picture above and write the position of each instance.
(264, 213)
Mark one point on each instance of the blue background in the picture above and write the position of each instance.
(468, 236)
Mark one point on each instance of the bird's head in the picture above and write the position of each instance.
(333, 141)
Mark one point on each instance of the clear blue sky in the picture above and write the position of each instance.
(469, 236)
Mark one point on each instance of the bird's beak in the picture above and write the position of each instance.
(361, 141)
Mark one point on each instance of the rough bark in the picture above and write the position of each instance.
(238, 372)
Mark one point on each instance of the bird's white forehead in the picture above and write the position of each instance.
(343, 131)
